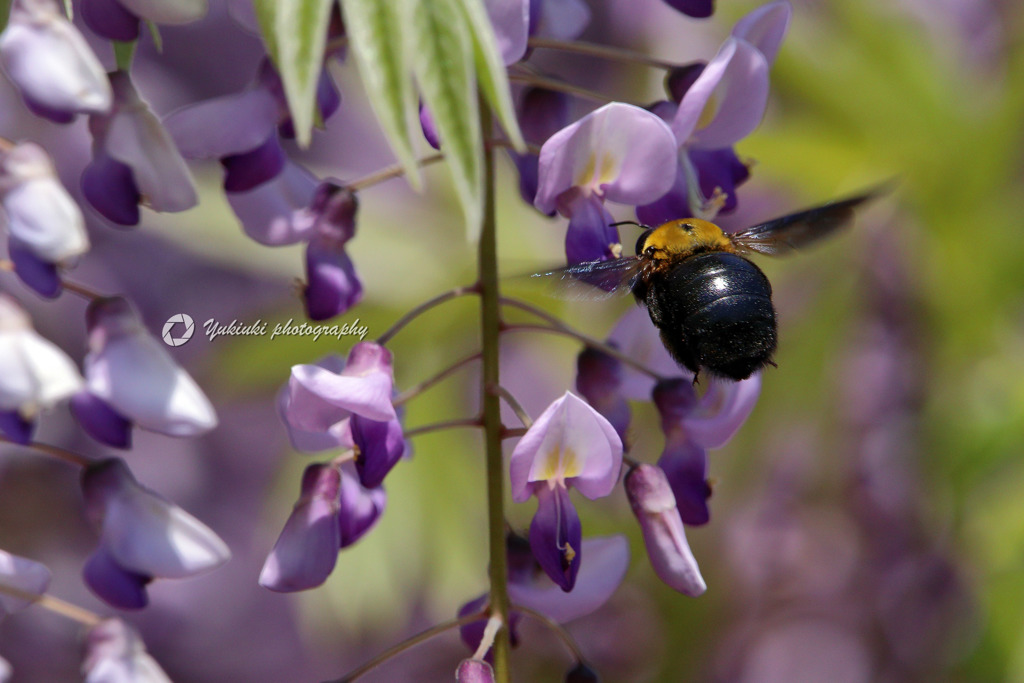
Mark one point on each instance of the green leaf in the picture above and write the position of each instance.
(440, 38)
(298, 34)
(375, 30)
(490, 71)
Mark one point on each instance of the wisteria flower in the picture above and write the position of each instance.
(693, 425)
(131, 379)
(24, 575)
(119, 19)
(333, 511)
(530, 586)
(619, 153)
(142, 537)
(350, 406)
(115, 653)
(559, 19)
(599, 380)
(698, 9)
(570, 444)
(654, 505)
(45, 227)
(541, 113)
(511, 22)
(637, 337)
(134, 161)
(719, 104)
(51, 64)
(34, 373)
(474, 671)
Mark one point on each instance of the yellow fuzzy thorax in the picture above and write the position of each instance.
(684, 237)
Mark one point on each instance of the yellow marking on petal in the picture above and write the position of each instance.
(586, 173)
(569, 553)
(609, 169)
(707, 114)
(558, 465)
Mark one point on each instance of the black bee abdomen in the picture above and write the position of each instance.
(715, 312)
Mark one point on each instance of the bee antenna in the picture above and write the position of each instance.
(639, 225)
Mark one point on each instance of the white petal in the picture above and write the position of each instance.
(34, 372)
(22, 574)
(152, 536)
(49, 60)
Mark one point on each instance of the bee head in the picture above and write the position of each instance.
(643, 236)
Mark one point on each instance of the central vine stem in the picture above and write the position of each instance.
(490, 332)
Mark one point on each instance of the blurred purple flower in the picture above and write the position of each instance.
(559, 19)
(114, 653)
(691, 426)
(44, 224)
(620, 153)
(581, 673)
(119, 19)
(599, 380)
(530, 586)
(654, 505)
(130, 378)
(22, 574)
(332, 286)
(51, 64)
(34, 373)
(134, 161)
(570, 444)
(719, 103)
(511, 22)
(637, 337)
(541, 114)
(142, 537)
(699, 9)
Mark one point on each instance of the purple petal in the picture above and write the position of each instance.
(333, 211)
(569, 443)
(590, 235)
(765, 27)
(50, 62)
(222, 126)
(360, 507)
(672, 205)
(23, 574)
(135, 137)
(620, 152)
(307, 549)
(144, 533)
(380, 445)
(686, 467)
(306, 409)
(722, 411)
(698, 9)
(598, 578)
(675, 400)
(15, 427)
(474, 671)
(109, 187)
(247, 170)
(556, 536)
(109, 19)
(637, 337)
(328, 97)
(332, 286)
(116, 654)
(40, 275)
(727, 100)
(581, 673)
(115, 585)
(527, 167)
(599, 380)
(511, 22)
(332, 429)
(559, 19)
(679, 81)
(654, 505)
(721, 170)
(59, 116)
(428, 127)
(100, 421)
(542, 113)
(363, 387)
(272, 213)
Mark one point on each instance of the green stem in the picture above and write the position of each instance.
(53, 451)
(616, 54)
(423, 308)
(490, 332)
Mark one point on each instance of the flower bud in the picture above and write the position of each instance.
(474, 671)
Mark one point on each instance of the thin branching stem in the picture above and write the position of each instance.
(557, 326)
(440, 426)
(423, 308)
(389, 172)
(54, 451)
(559, 630)
(73, 287)
(558, 86)
(516, 407)
(417, 389)
(616, 54)
(55, 605)
(406, 644)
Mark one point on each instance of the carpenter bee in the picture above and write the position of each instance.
(712, 306)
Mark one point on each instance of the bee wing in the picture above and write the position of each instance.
(785, 234)
(605, 278)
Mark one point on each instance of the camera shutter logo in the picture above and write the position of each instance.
(169, 327)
